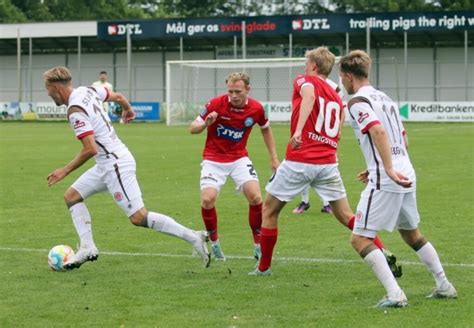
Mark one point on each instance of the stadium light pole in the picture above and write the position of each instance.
(244, 41)
(405, 62)
(79, 51)
(235, 46)
(465, 65)
(129, 64)
(30, 75)
(367, 36)
(18, 63)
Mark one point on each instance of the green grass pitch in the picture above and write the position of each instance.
(145, 279)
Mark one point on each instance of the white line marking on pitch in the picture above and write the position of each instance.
(237, 257)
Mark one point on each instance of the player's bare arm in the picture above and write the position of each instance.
(307, 103)
(270, 143)
(89, 150)
(197, 126)
(382, 144)
(128, 114)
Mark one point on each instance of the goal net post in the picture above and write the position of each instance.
(190, 84)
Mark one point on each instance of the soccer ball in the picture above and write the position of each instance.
(58, 255)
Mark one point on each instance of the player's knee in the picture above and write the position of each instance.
(139, 218)
(208, 202)
(413, 238)
(72, 197)
(255, 199)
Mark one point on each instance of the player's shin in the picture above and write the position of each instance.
(376, 260)
(82, 222)
(268, 239)
(255, 221)
(165, 224)
(209, 217)
(428, 255)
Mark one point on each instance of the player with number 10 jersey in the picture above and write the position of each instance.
(320, 134)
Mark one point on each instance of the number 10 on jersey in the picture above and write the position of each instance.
(325, 116)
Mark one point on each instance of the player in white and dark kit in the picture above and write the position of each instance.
(389, 200)
(311, 159)
(115, 169)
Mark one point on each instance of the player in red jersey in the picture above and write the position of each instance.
(229, 119)
(311, 155)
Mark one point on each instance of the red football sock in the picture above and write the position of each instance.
(268, 239)
(378, 243)
(209, 217)
(350, 224)
(255, 221)
(377, 240)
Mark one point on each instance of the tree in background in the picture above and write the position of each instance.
(16, 11)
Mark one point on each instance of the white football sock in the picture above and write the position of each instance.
(376, 260)
(429, 257)
(305, 195)
(83, 224)
(162, 223)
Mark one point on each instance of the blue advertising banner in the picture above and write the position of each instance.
(283, 25)
(145, 112)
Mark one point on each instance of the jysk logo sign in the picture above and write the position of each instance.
(121, 29)
(229, 133)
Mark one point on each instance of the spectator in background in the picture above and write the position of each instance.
(103, 82)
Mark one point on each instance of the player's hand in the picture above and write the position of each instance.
(275, 164)
(296, 141)
(55, 176)
(128, 115)
(210, 119)
(399, 178)
(363, 176)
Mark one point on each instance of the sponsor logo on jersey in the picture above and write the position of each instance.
(359, 216)
(248, 122)
(362, 117)
(203, 111)
(118, 196)
(300, 81)
(79, 124)
(230, 133)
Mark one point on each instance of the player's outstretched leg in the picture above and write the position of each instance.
(83, 223)
(428, 255)
(375, 259)
(165, 224)
(344, 215)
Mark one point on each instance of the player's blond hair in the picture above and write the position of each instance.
(356, 62)
(58, 74)
(238, 76)
(323, 58)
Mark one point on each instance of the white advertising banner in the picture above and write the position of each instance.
(420, 111)
(427, 111)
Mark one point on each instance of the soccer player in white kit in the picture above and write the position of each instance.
(115, 169)
(389, 200)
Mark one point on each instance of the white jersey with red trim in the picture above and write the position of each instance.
(367, 108)
(93, 119)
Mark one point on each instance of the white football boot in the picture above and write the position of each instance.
(81, 256)
(200, 247)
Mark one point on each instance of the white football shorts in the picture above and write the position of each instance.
(214, 174)
(291, 178)
(119, 179)
(384, 210)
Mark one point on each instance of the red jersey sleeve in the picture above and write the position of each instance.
(210, 107)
